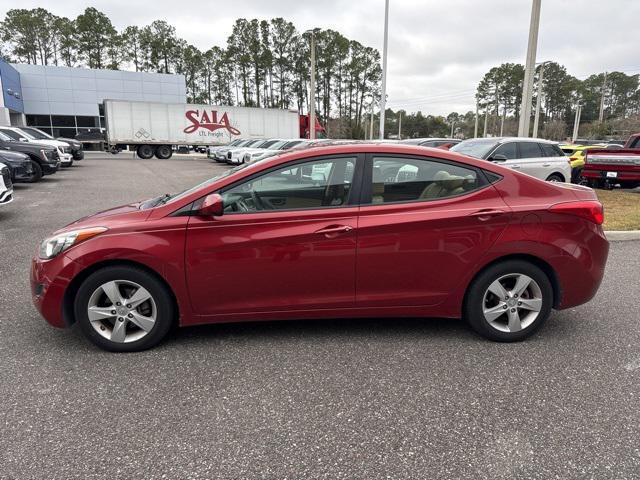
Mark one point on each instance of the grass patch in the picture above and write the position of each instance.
(621, 209)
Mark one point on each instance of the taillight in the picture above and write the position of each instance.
(590, 210)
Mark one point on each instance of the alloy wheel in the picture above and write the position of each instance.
(512, 302)
(122, 311)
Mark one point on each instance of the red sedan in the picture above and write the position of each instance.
(360, 230)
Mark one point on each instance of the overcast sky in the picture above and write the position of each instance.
(438, 49)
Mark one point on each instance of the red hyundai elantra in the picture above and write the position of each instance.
(360, 230)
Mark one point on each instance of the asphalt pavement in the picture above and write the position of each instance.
(348, 399)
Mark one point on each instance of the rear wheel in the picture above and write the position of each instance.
(145, 151)
(124, 309)
(164, 152)
(37, 172)
(555, 177)
(509, 301)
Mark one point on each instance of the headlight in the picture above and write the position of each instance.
(57, 244)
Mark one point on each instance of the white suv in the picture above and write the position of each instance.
(542, 159)
(6, 187)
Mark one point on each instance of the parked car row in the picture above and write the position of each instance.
(27, 154)
(242, 151)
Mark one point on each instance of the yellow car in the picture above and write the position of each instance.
(576, 154)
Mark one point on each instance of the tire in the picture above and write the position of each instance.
(481, 298)
(555, 177)
(157, 313)
(37, 172)
(164, 152)
(145, 151)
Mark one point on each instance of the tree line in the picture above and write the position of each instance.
(265, 63)
(499, 96)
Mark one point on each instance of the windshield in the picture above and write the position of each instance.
(25, 134)
(4, 137)
(475, 148)
(278, 145)
(13, 135)
(161, 200)
(37, 134)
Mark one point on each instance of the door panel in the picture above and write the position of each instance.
(271, 261)
(414, 254)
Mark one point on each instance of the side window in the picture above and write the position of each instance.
(551, 150)
(508, 150)
(530, 150)
(409, 179)
(316, 184)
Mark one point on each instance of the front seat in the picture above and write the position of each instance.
(436, 188)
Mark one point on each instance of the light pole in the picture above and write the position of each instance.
(536, 119)
(475, 130)
(576, 123)
(312, 86)
(604, 86)
(383, 99)
(529, 70)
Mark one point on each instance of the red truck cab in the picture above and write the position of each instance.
(606, 168)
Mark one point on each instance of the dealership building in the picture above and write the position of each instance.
(66, 101)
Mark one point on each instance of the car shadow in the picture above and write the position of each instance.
(441, 328)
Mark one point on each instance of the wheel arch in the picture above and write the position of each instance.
(68, 313)
(537, 261)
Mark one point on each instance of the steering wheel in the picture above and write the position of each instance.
(257, 201)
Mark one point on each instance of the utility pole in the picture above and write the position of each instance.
(383, 100)
(400, 125)
(538, 101)
(453, 124)
(486, 118)
(527, 86)
(475, 130)
(312, 93)
(604, 86)
(576, 123)
(371, 124)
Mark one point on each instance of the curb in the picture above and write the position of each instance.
(622, 235)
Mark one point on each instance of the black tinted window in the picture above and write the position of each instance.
(550, 150)
(12, 134)
(410, 179)
(530, 150)
(509, 150)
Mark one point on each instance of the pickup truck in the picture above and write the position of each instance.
(606, 168)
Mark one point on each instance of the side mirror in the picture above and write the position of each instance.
(212, 206)
(22, 139)
(499, 158)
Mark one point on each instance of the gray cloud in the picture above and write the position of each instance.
(438, 50)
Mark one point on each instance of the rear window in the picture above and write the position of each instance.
(475, 148)
(530, 150)
(551, 150)
(568, 151)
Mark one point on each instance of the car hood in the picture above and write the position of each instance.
(13, 156)
(73, 143)
(111, 218)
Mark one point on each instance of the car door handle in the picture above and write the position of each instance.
(334, 230)
(515, 166)
(486, 214)
(546, 164)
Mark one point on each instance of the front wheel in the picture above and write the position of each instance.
(554, 177)
(37, 172)
(509, 301)
(124, 309)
